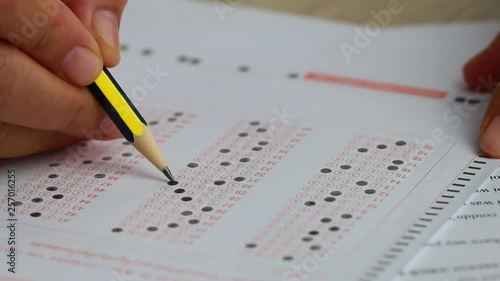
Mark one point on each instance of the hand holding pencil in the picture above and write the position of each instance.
(51, 49)
(45, 66)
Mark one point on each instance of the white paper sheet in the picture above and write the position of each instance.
(119, 214)
(467, 246)
(308, 203)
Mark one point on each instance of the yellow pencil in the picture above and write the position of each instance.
(128, 119)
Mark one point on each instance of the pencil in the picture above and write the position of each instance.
(128, 120)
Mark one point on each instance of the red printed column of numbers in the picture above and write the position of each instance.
(212, 183)
(358, 179)
(71, 180)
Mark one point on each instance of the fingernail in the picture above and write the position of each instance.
(106, 25)
(490, 140)
(81, 66)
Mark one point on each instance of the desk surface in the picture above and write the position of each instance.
(358, 11)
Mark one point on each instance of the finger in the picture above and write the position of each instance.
(490, 130)
(31, 96)
(51, 34)
(18, 141)
(102, 18)
(483, 71)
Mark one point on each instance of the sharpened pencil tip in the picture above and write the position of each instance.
(168, 174)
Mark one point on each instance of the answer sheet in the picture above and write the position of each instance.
(466, 248)
(288, 171)
(294, 177)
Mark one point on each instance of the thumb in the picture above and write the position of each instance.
(490, 130)
(482, 72)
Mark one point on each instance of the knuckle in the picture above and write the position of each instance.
(9, 70)
(77, 108)
(44, 35)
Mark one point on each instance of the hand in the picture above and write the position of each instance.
(479, 73)
(49, 50)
